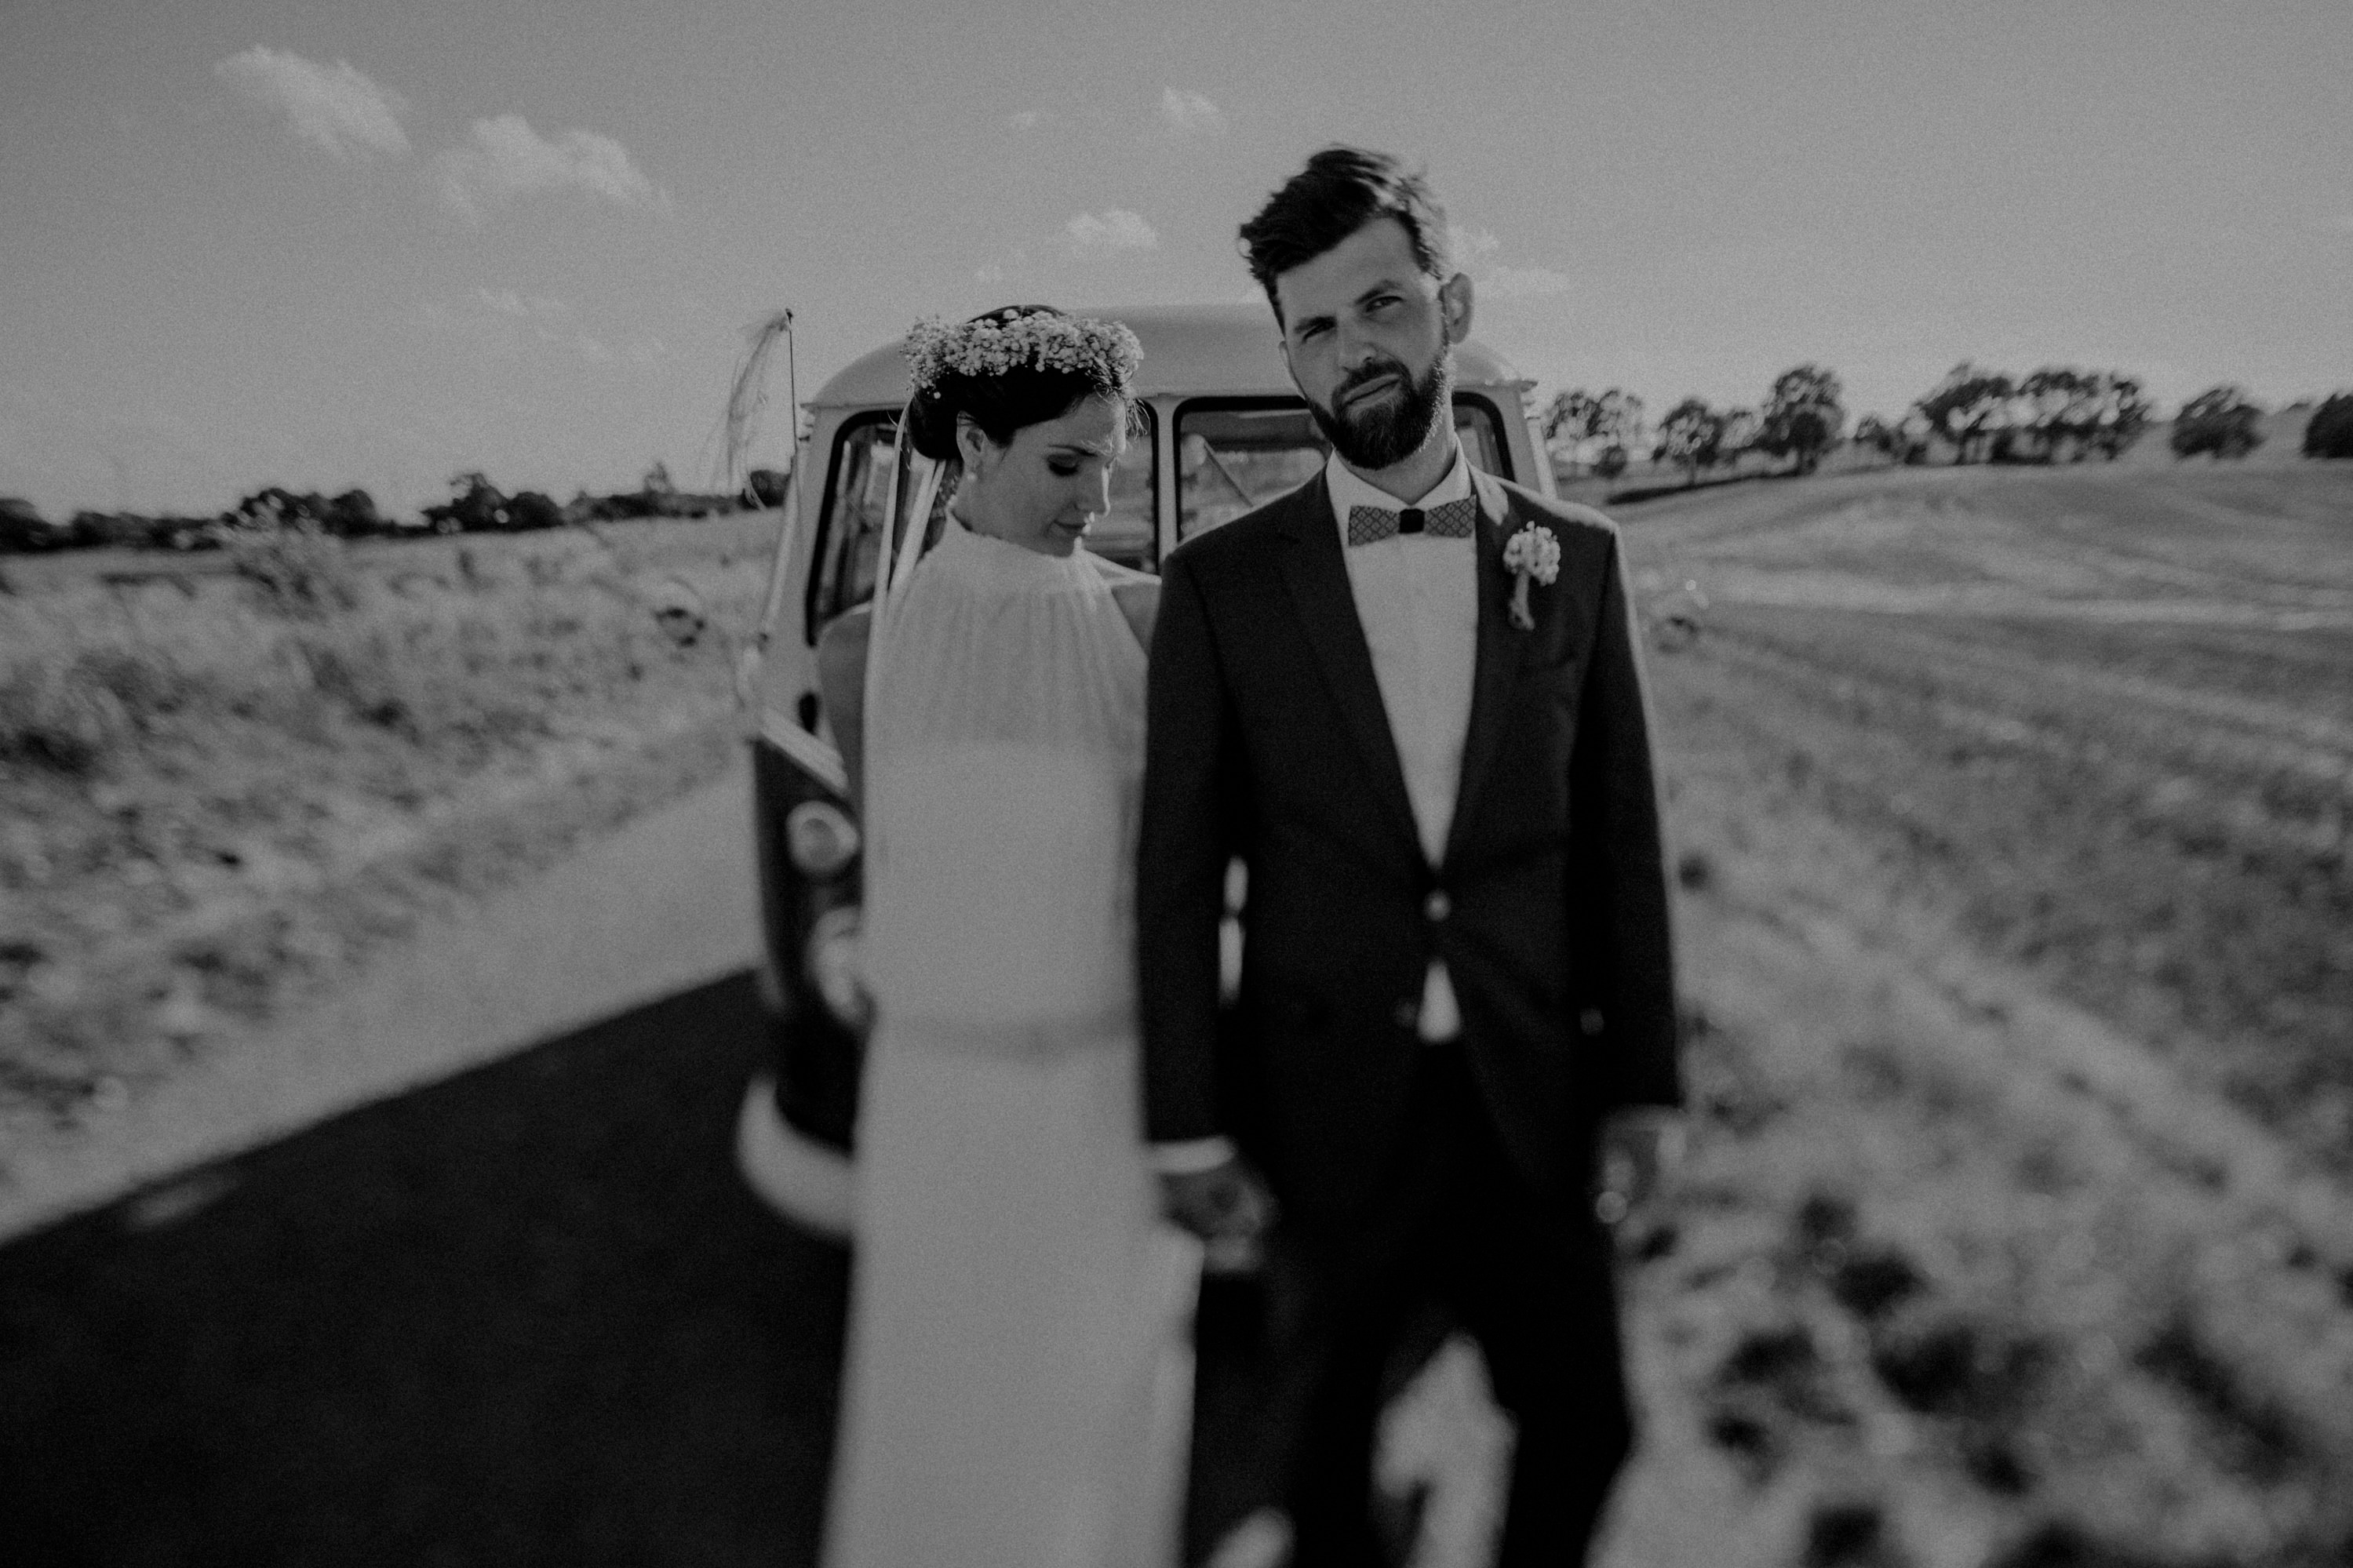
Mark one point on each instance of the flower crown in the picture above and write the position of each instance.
(1106, 352)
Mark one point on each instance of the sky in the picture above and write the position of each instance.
(341, 242)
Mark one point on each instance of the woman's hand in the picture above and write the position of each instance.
(1228, 1206)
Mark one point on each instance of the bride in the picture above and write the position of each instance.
(1015, 1391)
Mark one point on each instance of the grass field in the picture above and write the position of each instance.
(2109, 717)
(224, 778)
(2013, 813)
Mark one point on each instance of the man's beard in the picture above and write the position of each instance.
(1388, 433)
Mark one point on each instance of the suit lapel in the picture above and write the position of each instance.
(1317, 575)
(1498, 660)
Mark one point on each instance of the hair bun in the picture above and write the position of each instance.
(932, 425)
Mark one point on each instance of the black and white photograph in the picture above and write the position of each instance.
(1037, 785)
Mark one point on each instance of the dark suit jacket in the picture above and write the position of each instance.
(1268, 740)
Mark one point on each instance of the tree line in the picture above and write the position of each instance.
(475, 505)
(2055, 414)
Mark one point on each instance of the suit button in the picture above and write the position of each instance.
(1407, 1014)
(1438, 905)
(1590, 1020)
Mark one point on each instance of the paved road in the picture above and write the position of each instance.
(526, 1315)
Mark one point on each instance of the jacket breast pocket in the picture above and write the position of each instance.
(1542, 736)
(1553, 689)
(1566, 669)
(1558, 641)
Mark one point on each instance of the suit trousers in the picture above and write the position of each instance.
(1452, 1227)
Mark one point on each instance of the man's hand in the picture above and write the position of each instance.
(1641, 1147)
(1228, 1206)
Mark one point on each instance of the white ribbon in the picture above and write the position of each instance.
(901, 546)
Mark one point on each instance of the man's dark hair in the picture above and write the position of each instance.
(1340, 190)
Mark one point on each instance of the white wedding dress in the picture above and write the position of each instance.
(1018, 1385)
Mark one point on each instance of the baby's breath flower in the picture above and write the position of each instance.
(1534, 550)
(1532, 554)
(1106, 352)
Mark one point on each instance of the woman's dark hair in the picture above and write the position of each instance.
(1003, 403)
(1340, 190)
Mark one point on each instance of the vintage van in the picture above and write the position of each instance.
(1222, 431)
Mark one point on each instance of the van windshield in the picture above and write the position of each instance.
(1234, 454)
(850, 522)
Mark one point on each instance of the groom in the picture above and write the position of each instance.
(1456, 977)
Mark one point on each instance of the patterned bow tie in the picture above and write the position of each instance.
(1448, 519)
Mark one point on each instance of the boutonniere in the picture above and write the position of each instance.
(1534, 555)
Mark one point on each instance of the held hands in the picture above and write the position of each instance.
(1229, 1207)
(1641, 1147)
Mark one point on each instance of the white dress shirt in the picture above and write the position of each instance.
(1418, 600)
(1417, 597)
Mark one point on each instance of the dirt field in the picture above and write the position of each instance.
(2012, 809)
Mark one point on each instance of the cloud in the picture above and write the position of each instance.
(505, 322)
(529, 308)
(1112, 229)
(1523, 283)
(1028, 119)
(992, 273)
(1470, 245)
(1475, 251)
(337, 107)
(1191, 114)
(504, 159)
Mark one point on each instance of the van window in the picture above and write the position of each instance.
(850, 524)
(1129, 533)
(1481, 431)
(1236, 454)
